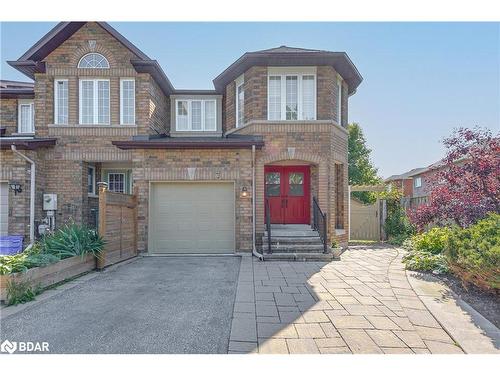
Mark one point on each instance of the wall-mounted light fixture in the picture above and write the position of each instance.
(15, 187)
(244, 192)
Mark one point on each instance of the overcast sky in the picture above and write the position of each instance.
(420, 79)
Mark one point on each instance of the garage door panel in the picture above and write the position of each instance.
(192, 218)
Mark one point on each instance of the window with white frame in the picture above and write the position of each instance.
(240, 102)
(418, 182)
(291, 96)
(94, 101)
(26, 117)
(91, 180)
(127, 101)
(195, 115)
(61, 101)
(339, 101)
(93, 61)
(116, 182)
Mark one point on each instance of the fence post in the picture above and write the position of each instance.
(101, 259)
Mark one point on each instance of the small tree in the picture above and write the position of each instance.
(397, 225)
(466, 185)
(361, 170)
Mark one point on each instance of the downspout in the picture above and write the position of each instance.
(32, 193)
(254, 249)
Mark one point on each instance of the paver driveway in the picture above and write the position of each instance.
(361, 304)
(151, 305)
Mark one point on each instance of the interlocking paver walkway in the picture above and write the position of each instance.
(361, 304)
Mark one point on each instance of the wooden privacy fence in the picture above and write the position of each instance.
(118, 226)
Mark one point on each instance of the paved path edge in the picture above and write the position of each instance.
(468, 328)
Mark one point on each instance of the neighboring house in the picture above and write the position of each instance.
(101, 110)
(405, 182)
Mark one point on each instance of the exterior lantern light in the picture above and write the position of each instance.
(15, 187)
(244, 192)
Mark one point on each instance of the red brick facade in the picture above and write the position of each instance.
(62, 169)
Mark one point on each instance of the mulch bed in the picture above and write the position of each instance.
(486, 303)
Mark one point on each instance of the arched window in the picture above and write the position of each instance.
(93, 60)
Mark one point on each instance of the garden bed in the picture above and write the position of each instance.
(487, 303)
(51, 274)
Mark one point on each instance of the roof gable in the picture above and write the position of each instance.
(292, 56)
(31, 61)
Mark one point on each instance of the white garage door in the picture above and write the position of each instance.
(4, 208)
(191, 218)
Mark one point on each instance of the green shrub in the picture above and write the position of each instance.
(30, 258)
(20, 292)
(417, 260)
(474, 252)
(432, 241)
(72, 240)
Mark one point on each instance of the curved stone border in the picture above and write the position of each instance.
(472, 331)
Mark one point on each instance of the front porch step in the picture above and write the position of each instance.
(303, 257)
(292, 233)
(293, 240)
(295, 249)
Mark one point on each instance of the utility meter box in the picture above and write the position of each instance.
(50, 202)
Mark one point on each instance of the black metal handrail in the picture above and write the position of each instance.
(268, 226)
(319, 223)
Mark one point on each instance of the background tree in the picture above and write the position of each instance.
(467, 184)
(361, 169)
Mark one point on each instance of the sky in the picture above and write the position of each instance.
(421, 80)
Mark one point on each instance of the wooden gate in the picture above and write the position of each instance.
(118, 226)
(365, 220)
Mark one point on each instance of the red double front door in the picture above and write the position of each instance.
(287, 188)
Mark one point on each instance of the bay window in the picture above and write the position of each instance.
(26, 116)
(291, 96)
(240, 102)
(195, 115)
(61, 101)
(339, 101)
(94, 102)
(127, 101)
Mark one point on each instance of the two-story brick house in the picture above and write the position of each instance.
(205, 163)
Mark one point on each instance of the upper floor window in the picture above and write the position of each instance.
(291, 96)
(61, 101)
(26, 116)
(240, 102)
(127, 101)
(94, 101)
(93, 60)
(195, 115)
(418, 182)
(339, 101)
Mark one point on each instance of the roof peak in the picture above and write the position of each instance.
(287, 49)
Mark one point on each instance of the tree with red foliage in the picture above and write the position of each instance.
(466, 184)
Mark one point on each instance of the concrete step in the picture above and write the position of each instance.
(304, 257)
(292, 233)
(293, 240)
(295, 249)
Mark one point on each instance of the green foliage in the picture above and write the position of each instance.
(72, 240)
(433, 241)
(474, 252)
(21, 292)
(417, 260)
(361, 169)
(334, 244)
(31, 257)
(397, 225)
